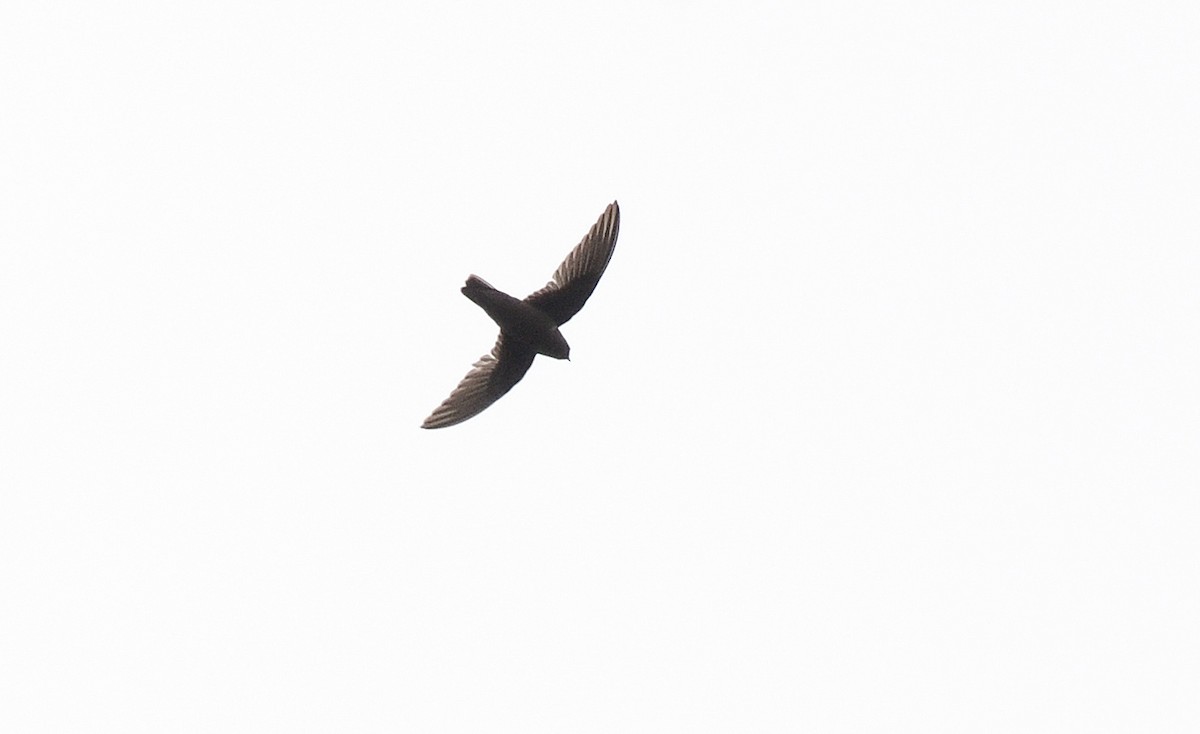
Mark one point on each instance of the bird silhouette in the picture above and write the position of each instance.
(529, 327)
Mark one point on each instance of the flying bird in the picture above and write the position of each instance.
(529, 327)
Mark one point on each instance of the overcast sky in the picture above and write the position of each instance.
(885, 416)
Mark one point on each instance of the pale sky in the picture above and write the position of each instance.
(884, 418)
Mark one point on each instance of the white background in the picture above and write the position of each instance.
(885, 416)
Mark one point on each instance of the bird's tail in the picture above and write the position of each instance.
(480, 291)
(477, 284)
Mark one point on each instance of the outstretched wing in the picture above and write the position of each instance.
(578, 275)
(492, 376)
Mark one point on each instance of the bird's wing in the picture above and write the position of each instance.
(578, 275)
(492, 376)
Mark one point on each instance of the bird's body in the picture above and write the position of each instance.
(529, 327)
(518, 320)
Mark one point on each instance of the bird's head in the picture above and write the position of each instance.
(556, 346)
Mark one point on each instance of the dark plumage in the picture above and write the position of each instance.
(529, 327)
